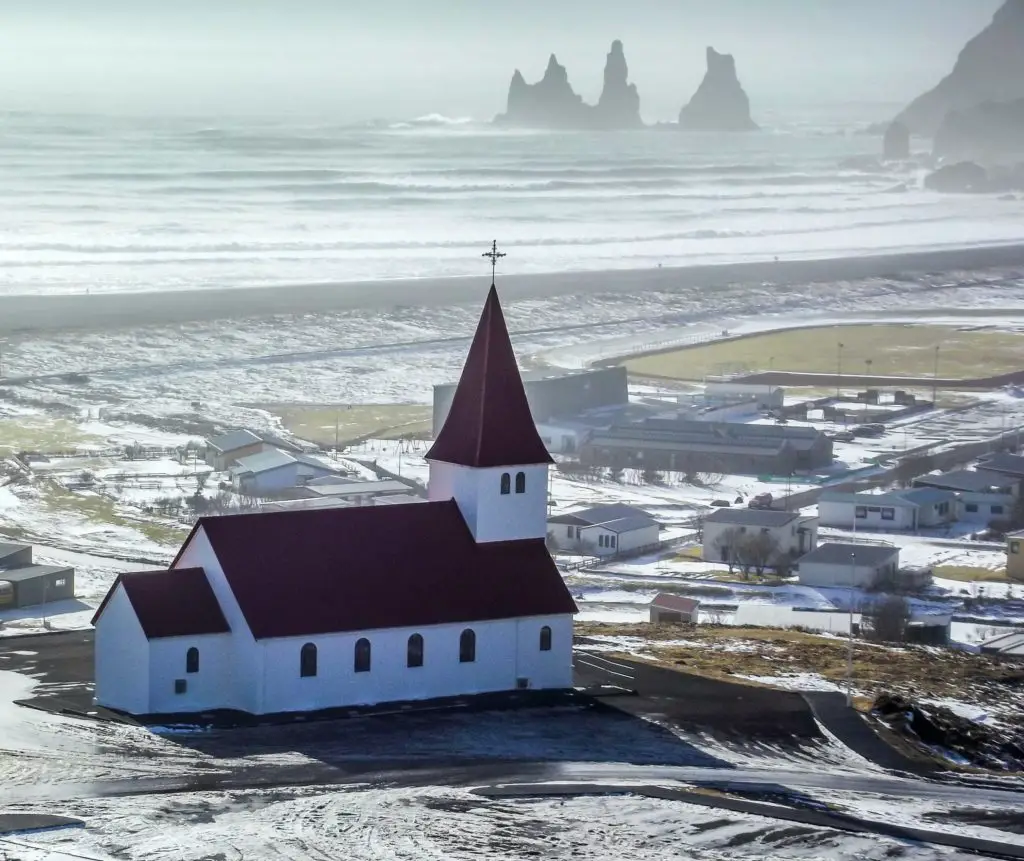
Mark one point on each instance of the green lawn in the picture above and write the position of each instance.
(316, 423)
(894, 350)
(967, 574)
(40, 433)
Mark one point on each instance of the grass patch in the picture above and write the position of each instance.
(968, 574)
(41, 433)
(689, 554)
(895, 350)
(99, 509)
(316, 423)
(725, 652)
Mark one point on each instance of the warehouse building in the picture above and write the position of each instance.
(25, 584)
(684, 445)
(551, 394)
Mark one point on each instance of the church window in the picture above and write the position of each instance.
(414, 652)
(545, 639)
(506, 484)
(520, 482)
(362, 655)
(307, 661)
(467, 647)
(192, 660)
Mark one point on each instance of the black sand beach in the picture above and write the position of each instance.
(29, 314)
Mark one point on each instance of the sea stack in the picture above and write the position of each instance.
(552, 103)
(549, 104)
(989, 69)
(896, 143)
(720, 104)
(619, 105)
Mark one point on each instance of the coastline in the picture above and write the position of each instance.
(25, 315)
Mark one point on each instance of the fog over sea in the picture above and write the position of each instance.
(126, 204)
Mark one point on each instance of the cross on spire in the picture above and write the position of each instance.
(495, 255)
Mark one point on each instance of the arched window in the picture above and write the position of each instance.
(520, 482)
(307, 661)
(362, 655)
(545, 639)
(467, 646)
(192, 660)
(414, 651)
(506, 484)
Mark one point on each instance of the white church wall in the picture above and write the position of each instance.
(122, 657)
(242, 688)
(505, 651)
(550, 669)
(203, 689)
(490, 514)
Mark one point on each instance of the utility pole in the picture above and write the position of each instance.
(935, 379)
(849, 640)
(839, 371)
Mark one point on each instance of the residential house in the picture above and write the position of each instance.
(304, 610)
(226, 450)
(604, 530)
(274, 471)
(982, 496)
(908, 510)
(859, 566)
(793, 533)
(1015, 555)
(674, 609)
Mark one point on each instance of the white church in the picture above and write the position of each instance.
(319, 608)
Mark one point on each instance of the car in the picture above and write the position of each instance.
(721, 503)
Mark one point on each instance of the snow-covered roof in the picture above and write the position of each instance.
(233, 440)
(616, 518)
(1005, 644)
(971, 481)
(752, 517)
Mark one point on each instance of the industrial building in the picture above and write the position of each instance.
(551, 394)
(685, 445)
(25, 584)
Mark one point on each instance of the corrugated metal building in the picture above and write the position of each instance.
(25, 584)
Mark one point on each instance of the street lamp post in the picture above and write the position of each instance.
(849, 639)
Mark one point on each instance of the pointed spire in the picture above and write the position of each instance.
(489, 422)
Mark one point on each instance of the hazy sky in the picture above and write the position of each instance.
(350, 60)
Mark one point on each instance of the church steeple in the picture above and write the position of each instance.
(489, 423)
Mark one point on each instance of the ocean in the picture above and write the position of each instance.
(93, 203)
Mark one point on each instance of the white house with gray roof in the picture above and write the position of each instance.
(982, 495)
(794, 533)
(899, 510)
(604, 530)
(273, 471)
(857, 566)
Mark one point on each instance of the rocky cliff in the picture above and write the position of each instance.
(896, 143)
(552, 103)
(719, 103)
(989, 69)
(619, 105)
(992, 132)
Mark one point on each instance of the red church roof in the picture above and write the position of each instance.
(489, 423)
(299, 573)
(177, 603)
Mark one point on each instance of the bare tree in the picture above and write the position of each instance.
(729, 545)
(757, 551)
(783, 564)
(888, 618)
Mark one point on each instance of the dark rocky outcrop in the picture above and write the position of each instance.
(552, 103)
(720, 104)
(619, 105)
(989, 69)
(989, 132)
(962, 178)
(896, 143)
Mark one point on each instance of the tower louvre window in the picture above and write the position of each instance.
(506, 484)
(520, 482)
